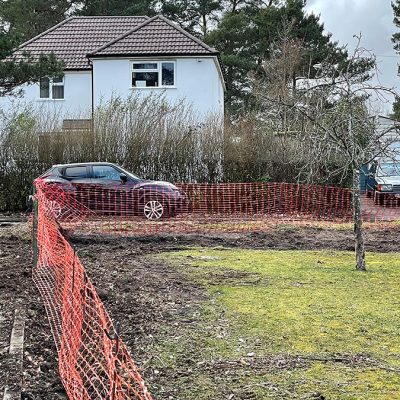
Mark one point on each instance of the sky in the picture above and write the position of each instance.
(374, 20)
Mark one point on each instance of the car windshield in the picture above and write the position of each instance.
(133, 176)
(45, 173)
(389, 169)
(51, 171)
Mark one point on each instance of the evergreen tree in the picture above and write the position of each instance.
(27, 18)
(235, 40)
(247, 36)
(117, 7)
(396, 20)
(237, 5)
(14, 74)
(396, 109)
(196, 16)
(21, 20)
(7, 43)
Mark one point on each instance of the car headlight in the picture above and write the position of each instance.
(385, 188)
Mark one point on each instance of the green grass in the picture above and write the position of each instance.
(310, 305)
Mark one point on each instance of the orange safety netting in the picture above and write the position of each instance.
(229, 207)
(202, 208)
(93, 361)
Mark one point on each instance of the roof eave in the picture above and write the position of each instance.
(221, 71)
(175, 54)
(88, 68)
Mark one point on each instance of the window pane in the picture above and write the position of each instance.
(168, 74)
(145, 66)
(145, 79)
(106, 172)
(58, 80)
(44, 88)
(76, 172)
(58, 92)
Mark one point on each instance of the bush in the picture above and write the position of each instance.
(148, 136)
(19, 163)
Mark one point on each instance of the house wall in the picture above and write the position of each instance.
(76, 103)
(198, 81)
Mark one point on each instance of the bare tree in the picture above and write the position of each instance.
(330, 115)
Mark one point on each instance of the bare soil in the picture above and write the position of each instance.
(40, 371)
(148, 299)
(384, 239)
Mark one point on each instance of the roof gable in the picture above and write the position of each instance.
(72, 39)
(156, 36)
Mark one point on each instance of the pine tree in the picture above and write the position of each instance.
(117, 7)
(247, 36)
(396, 20)
(20, 21)
(14, 74)
(27, 18)
(396, 109)
(196, 16)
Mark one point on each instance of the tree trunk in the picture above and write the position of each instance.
(358, 229)
(204, 27)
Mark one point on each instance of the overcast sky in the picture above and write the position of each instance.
(374, 19)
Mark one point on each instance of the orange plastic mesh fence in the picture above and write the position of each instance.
(118, 207)
(185, 208)
(93, 361)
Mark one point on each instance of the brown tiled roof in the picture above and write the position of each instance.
(155, 36)
(77, 37)
(72, 39)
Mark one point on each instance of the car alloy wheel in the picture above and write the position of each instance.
(153, 210)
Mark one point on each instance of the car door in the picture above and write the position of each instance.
(78, 177)
(110, 191)
(371, 179)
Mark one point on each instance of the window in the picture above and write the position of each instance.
(76, 172)
(153, 74)
(52, 88)
(167, 73)
(44, 88)
(389, 169)
(106, 172)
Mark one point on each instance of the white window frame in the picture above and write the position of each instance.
(158, 70)
(51, 84)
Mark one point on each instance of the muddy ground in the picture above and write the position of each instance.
(40, 374)
(145, 296)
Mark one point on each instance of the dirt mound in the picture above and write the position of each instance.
(297, 238)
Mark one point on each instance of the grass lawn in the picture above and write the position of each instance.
(288, 324)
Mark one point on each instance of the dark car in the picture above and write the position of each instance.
(106, 188)
(383, 181)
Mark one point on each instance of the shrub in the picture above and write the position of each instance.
(148, 136)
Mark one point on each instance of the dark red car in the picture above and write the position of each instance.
(106, 188)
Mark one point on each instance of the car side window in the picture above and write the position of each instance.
(76, 172)
(106, 172)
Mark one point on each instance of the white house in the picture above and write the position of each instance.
(116, 56)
